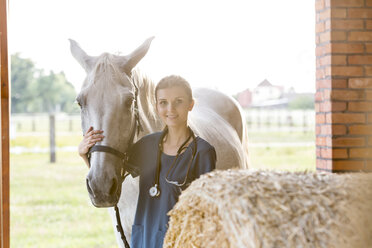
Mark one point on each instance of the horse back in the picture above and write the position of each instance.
(219, 119)
(224, 105)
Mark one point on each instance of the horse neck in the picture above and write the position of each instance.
(146, 106)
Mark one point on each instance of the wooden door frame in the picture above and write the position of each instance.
(4, 143)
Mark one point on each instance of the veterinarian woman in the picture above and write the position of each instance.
(168, 161)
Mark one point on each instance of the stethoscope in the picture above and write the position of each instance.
(155, 189)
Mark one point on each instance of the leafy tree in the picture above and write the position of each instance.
(39, 92)
(22, 76)
(53, 93)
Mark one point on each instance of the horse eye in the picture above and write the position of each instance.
(80, 100)
(78, 103)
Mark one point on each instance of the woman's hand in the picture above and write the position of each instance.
(90, 139)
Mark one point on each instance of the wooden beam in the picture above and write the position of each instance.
(4, 81)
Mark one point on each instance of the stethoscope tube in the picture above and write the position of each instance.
(155, 189)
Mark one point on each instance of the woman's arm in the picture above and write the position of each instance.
(91, 137)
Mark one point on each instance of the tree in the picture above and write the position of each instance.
(53, 93)
(39, 92)
(22, 76)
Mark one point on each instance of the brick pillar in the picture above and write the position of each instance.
(343, 99)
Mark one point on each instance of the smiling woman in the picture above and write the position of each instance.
(174, 100)
(181, 158)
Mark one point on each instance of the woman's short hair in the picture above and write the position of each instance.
(173, 81)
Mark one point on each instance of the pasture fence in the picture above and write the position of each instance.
(39, 123)
(280, 120)
(258, 120)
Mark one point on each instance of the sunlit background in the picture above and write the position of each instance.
(229, 45)
(260, 52)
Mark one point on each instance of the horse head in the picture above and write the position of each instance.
(107, 101)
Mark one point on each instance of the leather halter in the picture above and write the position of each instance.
(125, 167)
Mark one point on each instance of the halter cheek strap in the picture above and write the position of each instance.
(136, 112)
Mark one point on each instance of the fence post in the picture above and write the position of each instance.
(290, 122)
(33, 125)
(304, 122)
(19, 126)
(258, 119)
(279, 120)
(52, 137)
(70, 124)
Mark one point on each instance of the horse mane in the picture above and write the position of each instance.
(146, 102)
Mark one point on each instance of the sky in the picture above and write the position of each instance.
(229, 45)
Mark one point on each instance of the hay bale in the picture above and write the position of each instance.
(245, 208)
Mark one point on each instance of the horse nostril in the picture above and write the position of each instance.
(88, 187)
(113, 187)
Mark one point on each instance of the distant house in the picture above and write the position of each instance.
(264, 95)
(265, 91)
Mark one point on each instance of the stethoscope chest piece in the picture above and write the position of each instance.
(154, 191)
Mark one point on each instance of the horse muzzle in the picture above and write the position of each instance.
(103, 194)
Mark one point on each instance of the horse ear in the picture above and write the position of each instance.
(86, 61)
(132, 59)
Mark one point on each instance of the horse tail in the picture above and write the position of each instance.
(245, 144)
(243, 135)
(244, 138)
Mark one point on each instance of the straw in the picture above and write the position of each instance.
(248, 208)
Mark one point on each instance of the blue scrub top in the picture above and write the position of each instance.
(151, 219)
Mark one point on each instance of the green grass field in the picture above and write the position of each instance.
(41, 140)
(290, 154)
(283, 158)
(50, 206)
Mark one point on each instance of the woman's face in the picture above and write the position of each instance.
(173, 105)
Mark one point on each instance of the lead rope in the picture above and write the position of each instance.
(119, 227)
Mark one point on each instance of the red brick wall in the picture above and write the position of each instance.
(343, 98)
